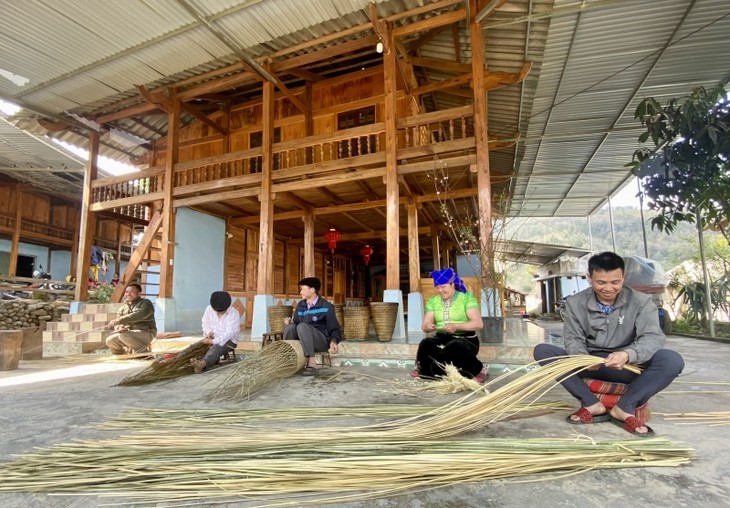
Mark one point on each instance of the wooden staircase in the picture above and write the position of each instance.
(78, 333)
(145, 257)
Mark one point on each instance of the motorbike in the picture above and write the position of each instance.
(560, 308)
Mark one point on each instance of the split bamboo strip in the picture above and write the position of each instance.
(710, 418)
(164, 370)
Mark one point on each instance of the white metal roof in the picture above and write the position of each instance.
(593, 60)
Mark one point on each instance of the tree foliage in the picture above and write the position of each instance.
(686, 170)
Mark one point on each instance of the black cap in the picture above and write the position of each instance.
(220, 301)
(312, 282)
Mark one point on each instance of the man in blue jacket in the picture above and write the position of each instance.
(314, 324)
(622, 326)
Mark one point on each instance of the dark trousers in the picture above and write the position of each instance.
(312, 340)
(216, 351)
(657, 374)
(434, 353)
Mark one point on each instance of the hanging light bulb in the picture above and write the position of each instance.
(379, 45)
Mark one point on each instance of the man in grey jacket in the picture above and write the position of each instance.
(622, 326)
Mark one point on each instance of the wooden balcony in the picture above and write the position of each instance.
(310, 162)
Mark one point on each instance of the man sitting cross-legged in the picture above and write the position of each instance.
(622, 326)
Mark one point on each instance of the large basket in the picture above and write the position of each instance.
(384, 315)
(276, 315)
(338, 313)
(357, 322)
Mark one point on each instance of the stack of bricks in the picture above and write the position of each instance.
(83, 332)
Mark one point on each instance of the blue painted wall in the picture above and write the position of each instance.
(199, 260)
(60, 263)
(27, 249)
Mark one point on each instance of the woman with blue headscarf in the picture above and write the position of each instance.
(453, 314)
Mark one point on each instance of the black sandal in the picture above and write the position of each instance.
(310, 371)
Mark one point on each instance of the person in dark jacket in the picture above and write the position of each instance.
(622, 326)
(314, 324)
(135, 325)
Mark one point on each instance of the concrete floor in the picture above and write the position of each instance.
(37, 411)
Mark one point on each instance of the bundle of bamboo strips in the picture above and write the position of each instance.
(281, 359)
(360, 470)
(367, 462)
(163, 419)
(173, 368)
(452, 382)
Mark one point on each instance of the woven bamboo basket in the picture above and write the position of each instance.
(276, 315)
(339, 314)
(357, 322)
(384, 315)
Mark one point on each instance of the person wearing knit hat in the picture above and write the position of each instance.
(221, 325)
(314, 324)
(453, 315)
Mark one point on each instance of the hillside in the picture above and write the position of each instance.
(668, 250)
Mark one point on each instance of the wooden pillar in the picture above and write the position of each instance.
(118, 253)
(72, 269)
(308, 245)
(87, 222)
(264, 283)
(435, 247)
(392, 254)
(167, 249)
(484, 185)
(414, 260)
(15, 243)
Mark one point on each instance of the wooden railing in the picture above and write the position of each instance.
(292, 159)
(35, 228)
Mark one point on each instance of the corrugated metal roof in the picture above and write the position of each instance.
(597, 66)
(593, 60)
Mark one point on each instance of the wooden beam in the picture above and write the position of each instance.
(138, 110)
(15, 242)
(132, 200)
(442, 65)
(390, 87)
(499, 79)
(308, 248)
(414, 260)
(167, 253)
(305, 75)
(481, 136)
(265, 276)
(324, 54)
(447, 18)
(203, 118)
(289, 94)
(160, 100)
(215, 197)
(88, 222)
(440, 85)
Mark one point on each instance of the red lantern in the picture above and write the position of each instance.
(366, 252)
(332, 236)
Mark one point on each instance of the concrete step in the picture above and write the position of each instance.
(70, 348)
(76, 337)
(98, 316)
(97, 308)
(70, 326)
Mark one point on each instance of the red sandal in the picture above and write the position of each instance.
(585, 417)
